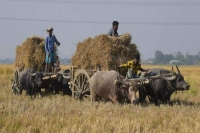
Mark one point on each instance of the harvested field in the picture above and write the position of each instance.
(64, 114)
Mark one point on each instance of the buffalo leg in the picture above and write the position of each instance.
(32, 93)
(114, 99)
(28, 91)
(168, 101)
(40, 92)
(142, 95)
(94, 96)
(20, 91)
(156, 101)
(133, 95)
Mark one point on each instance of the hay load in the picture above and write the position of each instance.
(31, 53)
(105, 51)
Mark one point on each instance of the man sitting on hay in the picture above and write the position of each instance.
(49, 48)
(113, 31)
(133, 67)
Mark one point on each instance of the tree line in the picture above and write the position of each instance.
(160, 58)
(176, 58)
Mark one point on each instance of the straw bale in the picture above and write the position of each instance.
(31, 53)
(105, 51)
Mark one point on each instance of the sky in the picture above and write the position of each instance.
(169, 26)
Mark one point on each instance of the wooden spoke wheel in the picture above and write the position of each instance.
(15, 81)
(81, 87)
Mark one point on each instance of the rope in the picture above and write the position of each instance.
(169, 86)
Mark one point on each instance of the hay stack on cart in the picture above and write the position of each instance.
(104, 51)
(31, 53)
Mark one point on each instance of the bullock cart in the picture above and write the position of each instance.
(15, 81)
(47, 80)
(79, 80)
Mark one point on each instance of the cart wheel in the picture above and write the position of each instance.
(15, 82)
(81, 87)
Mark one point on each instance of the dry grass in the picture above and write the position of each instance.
(63, 114)
(105, 51)
(31, 53)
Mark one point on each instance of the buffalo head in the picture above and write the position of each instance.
(36, 79)
(177, 81)
(130, 87)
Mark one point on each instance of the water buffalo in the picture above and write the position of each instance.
(61, 83)
(102, 86)
(162, 88)
(29, 80)
(58, 84)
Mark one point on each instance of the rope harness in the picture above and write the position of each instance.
(170, 87)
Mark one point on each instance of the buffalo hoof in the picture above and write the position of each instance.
(136, 102)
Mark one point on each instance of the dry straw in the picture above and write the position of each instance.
(103, 50)
(31, 53)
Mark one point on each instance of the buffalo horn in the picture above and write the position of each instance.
(32, 74)
(134, 79)
(178, 69)
(118, 77)
(117, 82)
(66, 77)
(168, 78)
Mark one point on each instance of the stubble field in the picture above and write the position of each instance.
(63, 114)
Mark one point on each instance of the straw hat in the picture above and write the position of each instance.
(49, 29)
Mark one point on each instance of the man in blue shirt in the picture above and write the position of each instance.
(49, 48)
(113, 30)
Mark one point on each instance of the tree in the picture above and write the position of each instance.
(181, 58)
(168, 58)
(199, 54)
(190, 59)
(197, 59)
(159, 57)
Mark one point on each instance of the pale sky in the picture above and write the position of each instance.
(170, 26)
